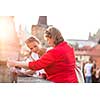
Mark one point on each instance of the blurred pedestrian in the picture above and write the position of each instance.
(87, 70)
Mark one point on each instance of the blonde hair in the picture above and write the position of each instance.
(32, 39)
(52, 32)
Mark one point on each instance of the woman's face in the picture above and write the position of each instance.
(33, 46)
(50, 41)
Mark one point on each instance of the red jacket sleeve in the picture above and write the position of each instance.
(46, 60)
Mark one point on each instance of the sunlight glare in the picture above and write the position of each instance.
(4, 25)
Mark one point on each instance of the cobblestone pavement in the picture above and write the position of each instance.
(31, 80)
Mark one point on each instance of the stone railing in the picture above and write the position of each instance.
(5, 75)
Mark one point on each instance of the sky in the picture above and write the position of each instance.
(74, 18)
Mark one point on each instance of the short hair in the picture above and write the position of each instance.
(52, 32)
(32, 39)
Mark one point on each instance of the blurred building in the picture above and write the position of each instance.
(38, 30)
(86, 52)
(95, 54)
(95, 37)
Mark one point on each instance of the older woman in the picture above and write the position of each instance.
(58, 62)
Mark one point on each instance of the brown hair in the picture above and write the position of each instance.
(32, 39)
(52, 32)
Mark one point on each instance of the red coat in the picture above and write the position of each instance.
(58, 63)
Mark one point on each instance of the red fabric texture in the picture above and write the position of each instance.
(58, 63)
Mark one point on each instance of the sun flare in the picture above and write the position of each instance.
(4, 29)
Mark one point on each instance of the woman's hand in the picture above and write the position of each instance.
(13, 63)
